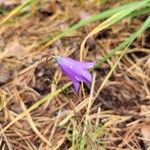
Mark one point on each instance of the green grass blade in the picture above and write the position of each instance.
(15, 11)
(93, 18)
(103, 15)
(126, 43)
(110, 21)
(145, 10)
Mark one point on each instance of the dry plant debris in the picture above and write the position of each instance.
(118, 118)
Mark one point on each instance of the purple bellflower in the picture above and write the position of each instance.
(77, 71)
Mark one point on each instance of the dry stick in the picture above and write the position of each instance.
(89, 105)
(55, 125)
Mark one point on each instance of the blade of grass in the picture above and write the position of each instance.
(102, 15)
(145, 10)
(15, 11)
(115, 18)
(124, 44)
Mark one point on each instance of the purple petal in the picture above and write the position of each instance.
(83, 75)
(88, 64)
(74, 63)
(67, 61)
(76, 85)
(72, 77)
(78, 72)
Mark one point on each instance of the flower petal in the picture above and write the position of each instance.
(89, 64)
(68, 61)
(76, 85)
(79, 73)
(72, 77)
(84, 76)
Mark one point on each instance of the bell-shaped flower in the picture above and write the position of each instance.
(77, 71)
